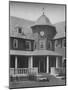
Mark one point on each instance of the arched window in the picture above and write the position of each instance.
(15, 43)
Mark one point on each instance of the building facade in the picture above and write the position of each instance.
(39, 53)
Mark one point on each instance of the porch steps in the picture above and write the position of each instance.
(45, 75)
(59, 77)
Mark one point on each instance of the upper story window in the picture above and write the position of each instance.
(64, 43)
(42, 44)
(28, 45)
(19, 30)
(58, 43)
(15, 43)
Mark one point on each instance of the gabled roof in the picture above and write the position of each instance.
(19, 22)
(24, 24)
(60, 28)
(59, 35)
(61, 51)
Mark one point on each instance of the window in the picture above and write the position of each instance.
(15, 43)
(28, 45)
(42, 44)
(19, 30)
(64, 43)
(58, 43)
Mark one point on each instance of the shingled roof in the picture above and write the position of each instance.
(26, 25)
(43, 20)
(60, 35)
(60, 28)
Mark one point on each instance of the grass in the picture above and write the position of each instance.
(53, 81)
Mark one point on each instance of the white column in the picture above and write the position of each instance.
(30, 64)
(15, 62)
(57, 62)
(47, 64)
(44, 64)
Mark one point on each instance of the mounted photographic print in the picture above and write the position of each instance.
(37, 41)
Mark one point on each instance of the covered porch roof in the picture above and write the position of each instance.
(35, 53)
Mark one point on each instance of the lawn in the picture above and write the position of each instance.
(53, 81)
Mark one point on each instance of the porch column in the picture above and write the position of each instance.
(47, 64)
(30, 62)
(15, 64)
(57, 62)
(44, 63)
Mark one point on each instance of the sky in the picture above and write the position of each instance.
(32, 11)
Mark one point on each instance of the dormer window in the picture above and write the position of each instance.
(19, 30)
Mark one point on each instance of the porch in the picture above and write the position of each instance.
(25, 65)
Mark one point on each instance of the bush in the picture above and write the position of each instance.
(32, 77)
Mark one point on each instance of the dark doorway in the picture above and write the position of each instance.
(12, 61)
(41, 66)
(52, 62)
(40, 63)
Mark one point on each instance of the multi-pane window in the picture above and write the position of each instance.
(42, 44)
(15, 43)
(58, 43)
(28, 45)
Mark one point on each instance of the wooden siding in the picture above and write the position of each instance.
(21, 44)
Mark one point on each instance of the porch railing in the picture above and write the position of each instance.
(21, 71)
